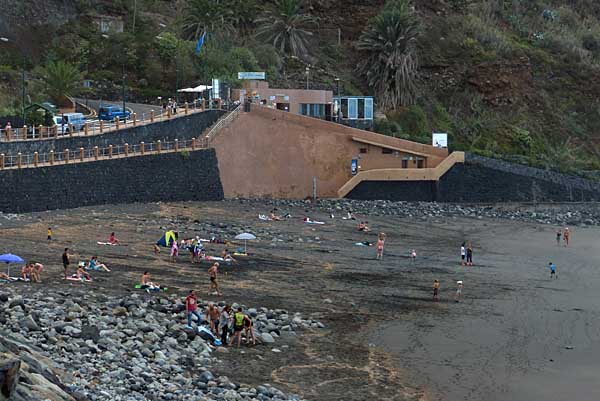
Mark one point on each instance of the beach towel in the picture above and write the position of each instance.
(83, 280)
(313, 222)
(105, 243)
(139, 287)
(264, 217)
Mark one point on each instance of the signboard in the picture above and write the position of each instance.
(216, 89)
(439, 139)
(354, 167)
(252, 75)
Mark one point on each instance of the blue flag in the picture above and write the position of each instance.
(200, 43)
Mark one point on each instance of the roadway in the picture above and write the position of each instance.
(138, 108)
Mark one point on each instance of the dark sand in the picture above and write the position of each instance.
(385, 339)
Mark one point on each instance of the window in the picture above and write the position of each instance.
(344, 108)
(363, 150)
(420, 163)
(361, 109)
(352, 109)
(304, 109)
(369, 108)
(404, 163)
(386, 151)
(318, 110)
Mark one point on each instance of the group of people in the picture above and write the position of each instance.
(565, 235)
(466, 254)
(457, 294)
(32, 272)
(223, 321)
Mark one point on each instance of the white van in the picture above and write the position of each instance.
(64, 121)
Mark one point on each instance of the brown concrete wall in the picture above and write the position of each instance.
(273, 153)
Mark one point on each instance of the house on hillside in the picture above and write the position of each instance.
(109, 23)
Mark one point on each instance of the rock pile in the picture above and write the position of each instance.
(137, 347)
(562, 215)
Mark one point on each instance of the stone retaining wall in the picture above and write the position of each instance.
(485, 180)
(165, 177)
(188, 127)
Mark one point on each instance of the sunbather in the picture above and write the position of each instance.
(227, 256)
(82, 274)
(112, 239)
(95, 265)
(273, 216)
(147, 284)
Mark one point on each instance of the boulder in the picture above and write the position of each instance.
(29, 324)
(9, 377)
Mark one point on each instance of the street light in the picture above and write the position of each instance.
(307, 72)
(6, 40)
(337, 81)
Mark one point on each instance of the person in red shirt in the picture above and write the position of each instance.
(112, 239)
(191, 308)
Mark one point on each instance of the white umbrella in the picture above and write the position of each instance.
(245, 237)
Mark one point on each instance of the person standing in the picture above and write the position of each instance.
(469, 254)
(459, 288)
(552, 270)
(566, 236)
(380, 245)
(191, 308)
(66, 261)
(213, 278)
(558, 235)
(436, 290)
(174, 251)
(238, 326)
(49, 233)
(224, 321)
(212, 315)
(463, 254)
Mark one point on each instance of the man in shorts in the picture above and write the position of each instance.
(213, 279)
(436, 290)
(66, 261)
(238, 327)
(212, 315)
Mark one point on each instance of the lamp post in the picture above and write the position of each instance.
(307, 73)
(6, 40)
(337, 81)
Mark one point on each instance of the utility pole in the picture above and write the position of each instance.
(124, 82)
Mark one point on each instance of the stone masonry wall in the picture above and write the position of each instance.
(188, 127)
(164, 177)
(485, 180)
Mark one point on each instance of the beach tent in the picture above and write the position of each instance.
(167, 240)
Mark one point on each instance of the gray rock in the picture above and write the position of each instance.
(267, 338)
(29, 324)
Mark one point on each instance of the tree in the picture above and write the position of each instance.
(202, 15)
(61, 80)
(390, 47)
(286, 27)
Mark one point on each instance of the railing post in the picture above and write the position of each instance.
(126, 149)
(168, 112)
(193, 143)
(158, 146)
(51, 157)
(70, 129)
(86, 129)
(2, 161)
(55, 129)
(203, 105)
(19, 160)
(134, 119)
(96, 152)
(41, 130)
(8, 132)
(81, 154)
(110, 151)
(206, 141)
(67, 155)
(116, 124)
(176, 145)
(24, 131)
(219, 103)
(142, 148)
(187, 108)
(101, 126)
(151, 116)
(36, 159)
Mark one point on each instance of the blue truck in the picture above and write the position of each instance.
(111, 113)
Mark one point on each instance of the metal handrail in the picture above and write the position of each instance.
(220, 124)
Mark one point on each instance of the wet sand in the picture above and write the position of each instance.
(385, 339)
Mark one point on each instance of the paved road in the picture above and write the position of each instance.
(139, 109)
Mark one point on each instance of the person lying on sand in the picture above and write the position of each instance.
(273, 216)
(227, 256)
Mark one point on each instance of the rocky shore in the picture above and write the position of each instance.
(132, 348)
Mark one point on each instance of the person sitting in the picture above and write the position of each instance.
(35, 272)
(26, 272)
(274, 217)
(113, 240)
(363, 226)
(147, 284)
(95, 265)
(82, 274)
(227, 256)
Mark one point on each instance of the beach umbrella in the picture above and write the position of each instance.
(245, 237)
(9, 258)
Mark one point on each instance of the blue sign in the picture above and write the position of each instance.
(354, 167)
(252, 75)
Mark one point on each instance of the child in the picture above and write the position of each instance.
(558, 234)
(552, 270)
(174, 251)
(49, 233)
(436, 290)
(459, 289)
(463, 254)
(380, 245)
(413, 255)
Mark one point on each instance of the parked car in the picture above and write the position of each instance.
(110, 113)
(65, 121)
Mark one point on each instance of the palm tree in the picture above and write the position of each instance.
(391, 62)
(61, 80)
(286, 27)
(202, 15)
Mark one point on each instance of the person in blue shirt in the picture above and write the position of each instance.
(552, 270)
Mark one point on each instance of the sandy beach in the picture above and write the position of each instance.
(515, 335)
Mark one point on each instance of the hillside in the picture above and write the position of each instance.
(515, 79)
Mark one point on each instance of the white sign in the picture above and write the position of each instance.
(252, 75)
(439, 139)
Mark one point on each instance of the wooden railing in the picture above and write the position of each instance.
(80, 155)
